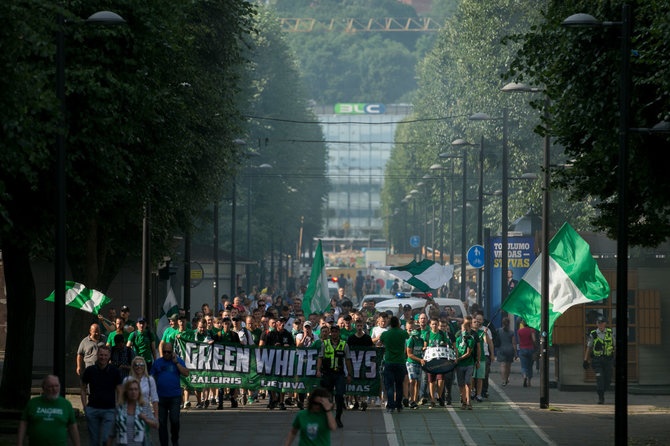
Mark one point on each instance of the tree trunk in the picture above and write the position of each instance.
(18, 365)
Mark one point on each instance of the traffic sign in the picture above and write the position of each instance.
(476, 256)
(414, 241)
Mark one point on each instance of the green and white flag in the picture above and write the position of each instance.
(80, 297)
(170, 307)
(425, 275)
(574, 278)
(316, 299)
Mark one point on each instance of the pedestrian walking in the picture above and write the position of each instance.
(330, 367)
(87, 353)
(314, 423)
(133, 417)
(49, 418)
(600, 349)
(506, 350)
(526, 337)
(167, 371)
(103, 382)
(466, 345)
(394, 340)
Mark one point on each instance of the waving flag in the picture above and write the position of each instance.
(574, 278)
(425, 275)
(170, 307)
(80, 297)
(316, 298)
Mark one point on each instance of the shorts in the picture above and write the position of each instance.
(413, 371)
(480, 373)
(464, 374)
(432, 377)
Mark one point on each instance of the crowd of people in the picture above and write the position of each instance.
(131, 378)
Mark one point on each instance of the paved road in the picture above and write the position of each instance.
(511, 416)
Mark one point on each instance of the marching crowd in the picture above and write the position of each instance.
(131, 378)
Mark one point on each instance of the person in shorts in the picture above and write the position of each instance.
(414, 362)
(465, 343)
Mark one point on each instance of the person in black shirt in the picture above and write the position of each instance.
(279, 337)
(359, 339)
(104, 384)
(227, 336)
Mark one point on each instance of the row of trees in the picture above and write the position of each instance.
(488, 44)
(153, 108)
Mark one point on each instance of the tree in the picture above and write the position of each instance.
(148, 105)
(462, 76)
(585, 108)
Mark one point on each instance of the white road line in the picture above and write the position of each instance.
(522, 414)
(467, 439)
(390, 428)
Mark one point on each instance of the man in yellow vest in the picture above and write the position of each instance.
(600, 348)
(330, 367)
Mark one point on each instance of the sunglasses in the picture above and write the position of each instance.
(167, 351)
(138, 364)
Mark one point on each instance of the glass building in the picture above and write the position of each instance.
(359, 138)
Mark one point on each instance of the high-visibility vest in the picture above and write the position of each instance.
(333, 358)
(602, 347)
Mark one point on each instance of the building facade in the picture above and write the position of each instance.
(359, 139)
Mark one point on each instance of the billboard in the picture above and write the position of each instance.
(520, 255)
(359, 109)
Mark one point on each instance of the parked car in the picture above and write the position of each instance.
(416, 303)
(456, 304)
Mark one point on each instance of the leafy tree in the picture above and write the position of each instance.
(148, 105)
(580, 71)
(459, 77)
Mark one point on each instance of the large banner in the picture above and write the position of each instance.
(520, 255)
(281, 369)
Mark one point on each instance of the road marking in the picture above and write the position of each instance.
(390, 428)
(522, 414)
(465, 435)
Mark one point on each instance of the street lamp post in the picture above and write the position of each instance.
(544, 286)
(621, 371)
(99, 18)
(249, 196)
(440, 168)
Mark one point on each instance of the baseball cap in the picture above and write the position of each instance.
(282, 319)
(330, 320)
(225, 319)
(601, 319)
(174, 317)
(141, 319)
(307, 324)
(125, 308)
(407, 307)
(236, 318)
(347, 317)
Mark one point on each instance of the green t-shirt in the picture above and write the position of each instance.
(463, 342)
(415, 343)
(394, 342)
(169, 335)
(110, 338)
(48, 421)
(141, 343)
(256, 335)
(313, 428)
(438, 339)
(425, 332)
(482, 345)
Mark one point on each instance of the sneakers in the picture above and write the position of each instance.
(424, 401)
(378, 402)
(364, 406)
(464, 406)
(432, 405)
(469, 406)
(206, 404)
(355, 406)
(220, 406)
(441, 402)
(479, 398)
(389, 410)
(271, 405)
(289, 401)
(187, 404)
(212, 401)
(339, 423)
(282, 406)
(199, 406)
(405, 402)
(413, 405)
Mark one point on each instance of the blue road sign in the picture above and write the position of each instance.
(476, 256)
(414, 241)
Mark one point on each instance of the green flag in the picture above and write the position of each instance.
(316, 298)
(425, 275)
(80, 297)
(169, 308)
(574, 278)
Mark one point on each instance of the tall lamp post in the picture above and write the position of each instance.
(546, 207)
(440, 168)
(99, 18)
(262, 166)
(621, 370)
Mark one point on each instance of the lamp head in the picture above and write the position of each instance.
(581, 20)
(105, 18)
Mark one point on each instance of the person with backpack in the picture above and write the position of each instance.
(466, 348)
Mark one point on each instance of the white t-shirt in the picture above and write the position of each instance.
(377, 332)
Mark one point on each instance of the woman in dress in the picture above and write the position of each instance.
(133, 417)
(139, 372)
(506, 350)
